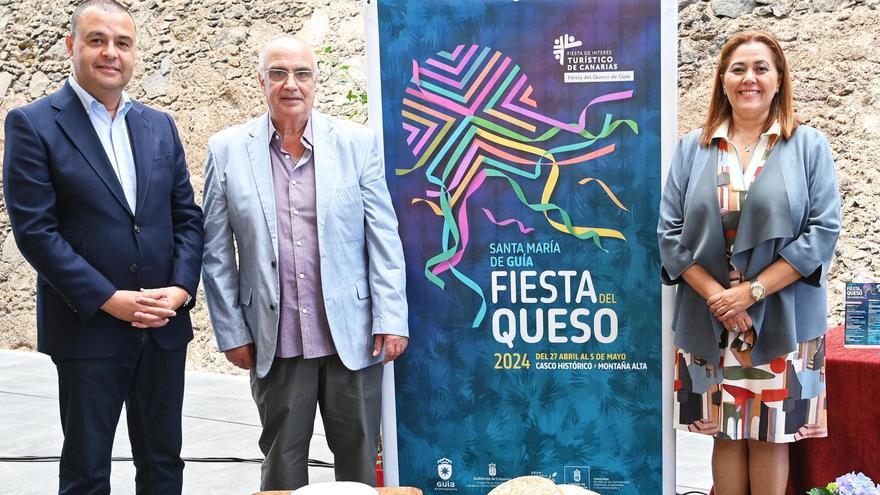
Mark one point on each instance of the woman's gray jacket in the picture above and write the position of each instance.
(792, 212)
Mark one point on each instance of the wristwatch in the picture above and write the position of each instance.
(188, 300)
(756, 290)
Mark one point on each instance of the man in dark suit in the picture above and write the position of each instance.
(100, 203)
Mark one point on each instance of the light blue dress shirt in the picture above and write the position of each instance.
(113, 133)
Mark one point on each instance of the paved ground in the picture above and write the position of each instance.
(219, 420)
(692, 471)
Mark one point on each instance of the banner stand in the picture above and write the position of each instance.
(669, 138)
(374, 110)
(379, 110)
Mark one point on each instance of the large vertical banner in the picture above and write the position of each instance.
(522, 146)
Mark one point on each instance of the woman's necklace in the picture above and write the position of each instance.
(748, 147)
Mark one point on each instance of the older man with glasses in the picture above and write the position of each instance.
(303, 269)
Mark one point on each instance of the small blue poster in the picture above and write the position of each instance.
(862, 315)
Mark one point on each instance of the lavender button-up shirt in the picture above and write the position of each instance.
(303, 328)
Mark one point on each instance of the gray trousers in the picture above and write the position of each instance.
(351, 407)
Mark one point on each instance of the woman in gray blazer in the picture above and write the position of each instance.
(748, 223)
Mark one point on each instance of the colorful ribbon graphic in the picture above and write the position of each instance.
(451, 114)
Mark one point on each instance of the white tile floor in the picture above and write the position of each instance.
(219, 418)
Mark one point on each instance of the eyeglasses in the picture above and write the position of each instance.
(281, 75)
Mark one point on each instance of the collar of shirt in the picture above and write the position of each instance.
(741, 180)
(724, 129)
(93, 106)
(306, 138)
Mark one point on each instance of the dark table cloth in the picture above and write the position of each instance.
(853, 443)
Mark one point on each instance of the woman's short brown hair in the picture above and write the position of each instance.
(781, 108)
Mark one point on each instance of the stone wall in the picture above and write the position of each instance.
(197, 59)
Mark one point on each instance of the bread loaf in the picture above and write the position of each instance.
(527, 485)
(575, 490)
(337, 488)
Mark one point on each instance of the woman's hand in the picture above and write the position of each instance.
(738, 323)
(727, 303)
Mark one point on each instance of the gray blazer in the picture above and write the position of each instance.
(362, 265)
(792, 212)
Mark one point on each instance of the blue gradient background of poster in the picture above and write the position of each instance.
(451, 402)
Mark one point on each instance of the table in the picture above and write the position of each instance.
(853, 377)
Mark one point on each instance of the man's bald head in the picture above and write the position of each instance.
(287, 75)
(285, 41)
(110, 6)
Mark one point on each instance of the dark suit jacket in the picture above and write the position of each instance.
(72, 223)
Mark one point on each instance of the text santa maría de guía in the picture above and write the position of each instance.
(549, 247)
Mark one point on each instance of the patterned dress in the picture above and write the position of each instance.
(782, 401)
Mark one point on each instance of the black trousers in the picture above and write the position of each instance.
(149, 380)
